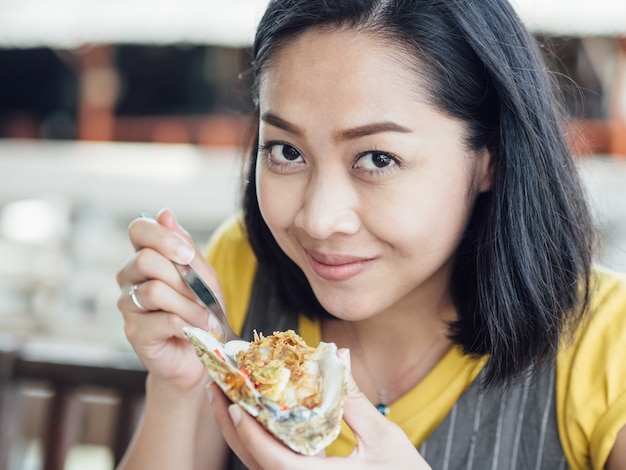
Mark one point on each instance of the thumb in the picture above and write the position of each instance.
(167, 219)
(365, 421)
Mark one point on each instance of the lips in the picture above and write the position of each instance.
(335, 266)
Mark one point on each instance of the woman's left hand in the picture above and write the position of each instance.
(381, 444)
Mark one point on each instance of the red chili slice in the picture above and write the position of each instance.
(219, 354)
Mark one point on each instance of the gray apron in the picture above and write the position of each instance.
(501, 429)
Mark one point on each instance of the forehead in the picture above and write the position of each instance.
(326, 82)
(343, 61)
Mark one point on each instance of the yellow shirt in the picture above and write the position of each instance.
(590, 371)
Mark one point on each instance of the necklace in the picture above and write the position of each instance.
(383, 392)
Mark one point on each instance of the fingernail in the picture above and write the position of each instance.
(235, 414)
(343, 354)
(214, 326)
(212, 323)
(185, 253)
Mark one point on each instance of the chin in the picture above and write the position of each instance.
(347, 308)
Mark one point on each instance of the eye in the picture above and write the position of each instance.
(280, 153)
(374, 160)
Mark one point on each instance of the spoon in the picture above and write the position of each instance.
(208, 299)
(204, 294)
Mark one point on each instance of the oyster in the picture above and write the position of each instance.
(293, 390)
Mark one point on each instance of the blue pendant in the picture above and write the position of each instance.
(384, 409)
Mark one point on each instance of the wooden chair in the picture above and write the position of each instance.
(67, 376)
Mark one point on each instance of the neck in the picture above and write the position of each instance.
(406, 327)
(393, 351)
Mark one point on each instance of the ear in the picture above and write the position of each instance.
(484, 171)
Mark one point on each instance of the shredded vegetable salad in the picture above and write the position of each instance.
(282, 367)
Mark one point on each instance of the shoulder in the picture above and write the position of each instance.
(231, 234)
(608, 292)
(604, 327)
(591, 374)
(232, 258)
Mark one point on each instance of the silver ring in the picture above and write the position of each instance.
(133, 297)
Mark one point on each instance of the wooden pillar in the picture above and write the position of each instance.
(99, 85)
(8, 392)
(618, 94)
(128, 415)
(617, 110)
(62, 428)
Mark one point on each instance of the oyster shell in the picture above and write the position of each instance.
(293, 390)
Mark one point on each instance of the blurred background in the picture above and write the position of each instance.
(110, 109)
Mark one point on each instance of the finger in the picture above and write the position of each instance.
(133, 294)
(148, 264)
(167, 219)
(220, 404)
(147, 233)
(268, 452)
(153, 328)
(157, 296)
(189, 311)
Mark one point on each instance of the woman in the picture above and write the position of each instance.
(411, 197)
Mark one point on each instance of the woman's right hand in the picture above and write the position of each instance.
(167, 304)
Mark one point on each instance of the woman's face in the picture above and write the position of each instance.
(365, 186)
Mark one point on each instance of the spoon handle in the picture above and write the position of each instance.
(204, 294)
(207, 297)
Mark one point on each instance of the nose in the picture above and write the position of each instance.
(329, 207)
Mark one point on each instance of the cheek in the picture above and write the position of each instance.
(423, 219)
(277, 202)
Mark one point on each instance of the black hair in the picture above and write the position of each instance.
(522, 269)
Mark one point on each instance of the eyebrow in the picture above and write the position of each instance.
(371, 129)
(348, 134)
(276, 121)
